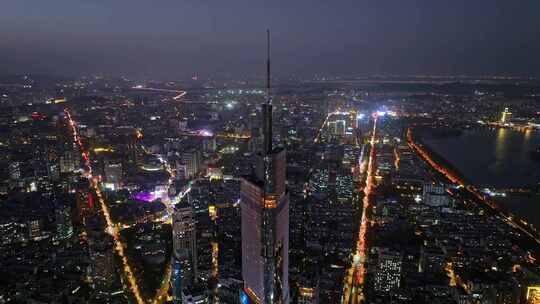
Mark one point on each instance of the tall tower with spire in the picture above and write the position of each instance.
(265, 218)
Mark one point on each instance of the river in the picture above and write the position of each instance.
(496, 158)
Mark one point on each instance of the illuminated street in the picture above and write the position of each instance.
(179, 93)
(354, 280)
(111, 228)
(248, 152)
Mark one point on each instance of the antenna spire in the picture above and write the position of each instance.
(268, 66)
(267, 107)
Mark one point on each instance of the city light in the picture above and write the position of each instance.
(454, 178)
(353, 289)
(206, 133)
(145, 196)
(111, 228)
(337, 187)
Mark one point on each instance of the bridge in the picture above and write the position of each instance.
(179, 93)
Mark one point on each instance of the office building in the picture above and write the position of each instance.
(505, 116)
(189, 164)
(184, 248)
(68, 161)
(209, 144)
(435, 195)
(113, 174)
(388, 273)
(265, 222)
(15, 170)
(340, 127)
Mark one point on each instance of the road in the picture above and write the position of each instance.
(319, 132)
(217, 135)
(111, 228)
(162, 294)
(179, 93)
(354, 279)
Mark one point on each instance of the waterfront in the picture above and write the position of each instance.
(491, 158)
(495, 158)
(525, 206)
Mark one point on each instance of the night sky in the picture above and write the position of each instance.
(176, 38)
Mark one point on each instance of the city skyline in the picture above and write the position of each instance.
(138, 168)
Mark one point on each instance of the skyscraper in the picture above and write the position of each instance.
(388, 274)
(184, 248)
(505, 117)
(189, 164)
(265, 220)
(337, 127)
(68, 161)
(113, 174)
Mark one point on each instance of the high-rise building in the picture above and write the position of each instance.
(388, 273)
(184, 248)
(254, 143)
(435, 195)
(64, 227)
(209, 144)
(340, 127)
(190, 164)
(34, 229)
(68, 161)
(39, 162)
(113, 174)
(265, 222)
(332, 127)
(433, 188)
(432, 259)
(337, 127)
(53, 171)
(102, 264)
(505, 117)
(15, 170)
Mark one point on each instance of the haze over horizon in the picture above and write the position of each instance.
(181, 38)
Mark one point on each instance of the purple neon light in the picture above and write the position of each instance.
(145, 196)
